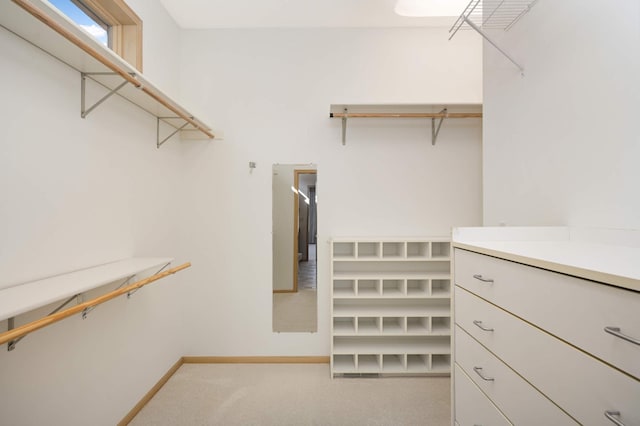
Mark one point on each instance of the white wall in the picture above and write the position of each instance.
(270, 91)
(561, 143)
(75, 193)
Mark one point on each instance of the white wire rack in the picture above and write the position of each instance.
(481, 15)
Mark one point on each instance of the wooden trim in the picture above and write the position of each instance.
(284, 291)
(154, 390)
(32, 326)
(255, 359)
(406, 115)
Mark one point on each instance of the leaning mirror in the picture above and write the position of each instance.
(295, 218)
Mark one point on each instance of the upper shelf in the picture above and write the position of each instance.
(22, 298)
(60, 37)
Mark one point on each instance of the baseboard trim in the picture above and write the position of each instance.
(147, 397)
(256, 359)
(218, 360)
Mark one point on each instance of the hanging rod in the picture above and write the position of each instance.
(126, 74)
(25, 329)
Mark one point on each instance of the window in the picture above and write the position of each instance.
(111, 22)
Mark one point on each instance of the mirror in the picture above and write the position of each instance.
(294, 230)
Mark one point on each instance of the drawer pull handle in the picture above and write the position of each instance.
(482, 376)
(611, 415)
(481, 278)
(616, 332)
(482, 327)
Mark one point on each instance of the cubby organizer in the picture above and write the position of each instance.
(390, 306)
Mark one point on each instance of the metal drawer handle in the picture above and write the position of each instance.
(610, 415)
(616, 332)
(481, 278)
(481, 327)
(483, 377)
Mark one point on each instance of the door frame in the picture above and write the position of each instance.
(296, 209)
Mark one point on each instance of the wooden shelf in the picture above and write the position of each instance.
(26, 297)
(43, 26)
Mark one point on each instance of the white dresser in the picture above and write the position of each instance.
(546, 328)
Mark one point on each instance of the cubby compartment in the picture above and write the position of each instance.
(440, 249)
(441, 363)
(368, 363)
(393, 325)
(393, 363)
(393, 250)
(368, 325)
(368, 250)
(344, 363)
(344, 250)
(418, 288)
(417, 250)
(393, 288)
(418, 325)
(418, 363)
(441, 325)
(368, 288)
(344, 325)
(441, 288)
(344, 288)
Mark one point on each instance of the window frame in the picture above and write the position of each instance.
(124, 27)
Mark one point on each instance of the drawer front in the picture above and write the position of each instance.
(573, 309)
(581, 385)
(517, 399)
(472, 406)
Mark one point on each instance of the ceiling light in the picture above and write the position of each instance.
(430, 7)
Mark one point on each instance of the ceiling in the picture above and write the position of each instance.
(296, 14)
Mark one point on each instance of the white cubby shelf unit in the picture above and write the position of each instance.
(391, 306)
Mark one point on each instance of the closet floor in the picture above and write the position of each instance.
(294, 394)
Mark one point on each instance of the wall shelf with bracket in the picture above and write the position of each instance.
(481, 15)
(65, 288)
(40, 24)
(436, 113)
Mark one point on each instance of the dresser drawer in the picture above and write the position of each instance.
(570, 308)
(517, 399)
(472, 406)
(581, 385)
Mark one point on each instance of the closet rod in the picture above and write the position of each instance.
(127, 75)
(23, 330)
(405, 115)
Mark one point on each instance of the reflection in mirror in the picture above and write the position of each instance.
(294, 229)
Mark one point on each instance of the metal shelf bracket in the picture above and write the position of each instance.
(160, 142)
(344, 127)
(435, 131)
(84, 111)
(11, 321)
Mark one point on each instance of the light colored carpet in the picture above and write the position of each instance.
(295, 312)
(294, 394)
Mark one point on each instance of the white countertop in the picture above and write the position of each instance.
(593, 256)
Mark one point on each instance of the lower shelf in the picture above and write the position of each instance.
(391, 363)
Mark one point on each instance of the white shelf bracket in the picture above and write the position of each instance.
(436, 131)
(160, 142)
(84, 111)
(482, 33)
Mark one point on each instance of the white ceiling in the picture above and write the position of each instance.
(295, 14)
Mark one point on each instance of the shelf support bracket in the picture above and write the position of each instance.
(84, 111)
(87, 311)
(436, 131)
(344, 127)
(484, 35)
(132, 292)
(11, 321)
(160, 142)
